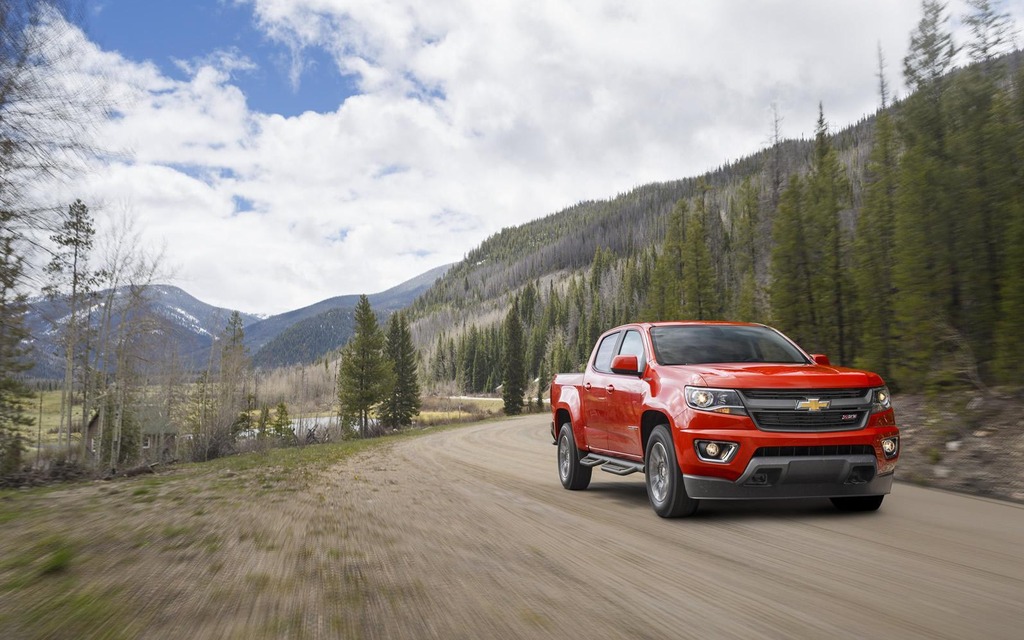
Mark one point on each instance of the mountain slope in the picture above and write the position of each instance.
(400, 296)
(555, 246)
(303, 335)
(188, 322)
(308, 339)
(589, 266)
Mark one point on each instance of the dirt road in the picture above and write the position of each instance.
(467, 533)
(478, 539)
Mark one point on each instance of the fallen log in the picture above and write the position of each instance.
(134, 471)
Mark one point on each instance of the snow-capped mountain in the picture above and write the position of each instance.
(184, 327)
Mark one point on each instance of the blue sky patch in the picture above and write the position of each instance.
(242, 205)
(188, 30)
(338, 236)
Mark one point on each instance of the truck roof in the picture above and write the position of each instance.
(666, 323)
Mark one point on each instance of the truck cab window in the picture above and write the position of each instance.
(633, 345)
(603, 359)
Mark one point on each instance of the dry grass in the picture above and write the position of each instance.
(232, 547)
(438, 410)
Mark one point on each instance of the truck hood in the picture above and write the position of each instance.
(773, 376)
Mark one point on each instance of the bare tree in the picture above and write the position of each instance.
(126, 331)
(776, 168)
(72, 281)
(42, 120)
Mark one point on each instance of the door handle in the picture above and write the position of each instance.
(611, 388)
(587, 386)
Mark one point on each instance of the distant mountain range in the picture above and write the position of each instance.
(298, 336)
(305, 334)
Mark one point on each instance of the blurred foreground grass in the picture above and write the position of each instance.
(121, 559)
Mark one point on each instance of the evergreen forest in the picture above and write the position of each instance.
(896, 244)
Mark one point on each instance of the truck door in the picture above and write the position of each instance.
(597, 409)
(626, 398)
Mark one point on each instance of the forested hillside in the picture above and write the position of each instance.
(307, 334)
(307, 340)
(895, 244)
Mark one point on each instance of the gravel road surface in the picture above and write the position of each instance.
(468, 533)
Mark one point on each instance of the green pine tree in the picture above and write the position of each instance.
(1009, 334)
(402, 404)
(513, 381)
(281, 426)
(665, 294)
(366, 375)
(828, 192)
(542, 385)
(874, 253)
(748, 305)
(263, 424)
(13, 392)
(1009, 338)
(794, 298)
(925, 267)
(699, 280)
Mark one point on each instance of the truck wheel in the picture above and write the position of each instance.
(664, 479)
(858, 503)
(573, 475)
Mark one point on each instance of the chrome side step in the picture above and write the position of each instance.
(612, 465)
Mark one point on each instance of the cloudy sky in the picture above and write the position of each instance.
(287, 151)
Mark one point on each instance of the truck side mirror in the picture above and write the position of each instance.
(626, 365)
(821, 358)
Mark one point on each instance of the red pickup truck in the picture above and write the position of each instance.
(724, 410)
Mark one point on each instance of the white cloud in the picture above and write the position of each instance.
(227, 61)
(473, 116)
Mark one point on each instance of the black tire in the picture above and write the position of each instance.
(665, 487)
(858, 503)
(574, 476)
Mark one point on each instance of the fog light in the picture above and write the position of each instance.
(890, 446)
(721, 452)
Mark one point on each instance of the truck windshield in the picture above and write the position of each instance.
(703, 344)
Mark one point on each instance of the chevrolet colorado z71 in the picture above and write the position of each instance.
(724, 410)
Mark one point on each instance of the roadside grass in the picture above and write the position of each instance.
(104, 559)
(438, 410)
(42, 431)
(103, 614)
(50, 413)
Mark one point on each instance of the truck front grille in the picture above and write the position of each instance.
(808, 410)
(843, 420)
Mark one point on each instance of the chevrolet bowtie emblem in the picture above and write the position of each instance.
(813, 404)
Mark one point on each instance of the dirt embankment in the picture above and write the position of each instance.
(972, 443)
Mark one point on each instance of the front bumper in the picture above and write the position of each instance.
(796, 477)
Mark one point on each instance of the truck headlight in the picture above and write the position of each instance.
(716, 400)
(880, 400)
